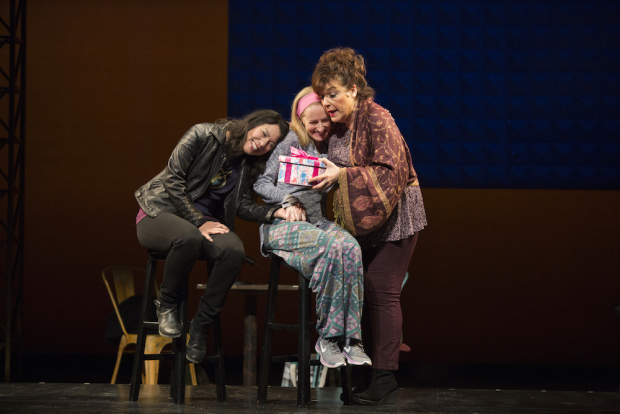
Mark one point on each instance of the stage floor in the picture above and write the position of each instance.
(106, 398)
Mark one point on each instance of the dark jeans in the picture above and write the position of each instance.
(382, 318)
(184, 244)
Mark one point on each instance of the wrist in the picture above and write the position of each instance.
(340, 172)
(272, 213)
(289, 200)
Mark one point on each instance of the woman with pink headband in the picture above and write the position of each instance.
(308, 242)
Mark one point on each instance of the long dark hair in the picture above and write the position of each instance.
(239, 128)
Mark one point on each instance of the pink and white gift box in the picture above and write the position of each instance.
(298, 170)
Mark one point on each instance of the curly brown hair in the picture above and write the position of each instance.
(344, 65)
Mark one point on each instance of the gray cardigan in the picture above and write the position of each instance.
(273, 192)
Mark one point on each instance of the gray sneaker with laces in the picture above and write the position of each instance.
(330, 353)
(354, 352)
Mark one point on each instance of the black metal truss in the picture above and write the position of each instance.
(12, 169)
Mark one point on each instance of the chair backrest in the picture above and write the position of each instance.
(123, 282)
(123, 277)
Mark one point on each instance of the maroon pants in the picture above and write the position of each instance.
(382, 319)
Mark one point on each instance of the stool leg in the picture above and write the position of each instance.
(265, 359)
(138, 361)
(173, 375)
(303, 368)
(179, 345)
(220, 375)
(345, 380)
(249, 341)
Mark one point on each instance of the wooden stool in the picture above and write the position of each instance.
(303, 327)
(177, 381)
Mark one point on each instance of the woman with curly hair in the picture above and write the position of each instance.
(377, 200)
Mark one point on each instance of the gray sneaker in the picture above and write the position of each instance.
(354, 351)
(330, 353)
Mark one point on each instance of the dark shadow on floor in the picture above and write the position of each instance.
(98, 369)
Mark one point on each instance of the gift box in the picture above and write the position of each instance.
(298, 170)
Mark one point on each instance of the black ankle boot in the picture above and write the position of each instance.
(168, 322)
(197, 345)
(381, 390)
(364, 376)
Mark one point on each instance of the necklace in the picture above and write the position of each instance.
(219, 179)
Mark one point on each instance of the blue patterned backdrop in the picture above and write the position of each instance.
(488, 94)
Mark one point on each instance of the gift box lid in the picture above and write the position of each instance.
(303, 161)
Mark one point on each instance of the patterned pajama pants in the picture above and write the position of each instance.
(331, 259)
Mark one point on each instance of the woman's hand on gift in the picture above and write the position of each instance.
(213, 227)
(328, 178)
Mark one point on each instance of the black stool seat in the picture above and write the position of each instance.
(303, 327)
(177, 382)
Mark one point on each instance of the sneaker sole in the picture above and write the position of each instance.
(353, 362)
(318, 350)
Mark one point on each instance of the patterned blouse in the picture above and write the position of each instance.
(407, 218)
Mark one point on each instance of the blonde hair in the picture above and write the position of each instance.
(296, 125)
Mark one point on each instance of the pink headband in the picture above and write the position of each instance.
(306, 101)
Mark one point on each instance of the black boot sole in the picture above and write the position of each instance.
(169, 336)
(192, 360)
(390, 398)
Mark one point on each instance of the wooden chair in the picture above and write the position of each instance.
(123, 279)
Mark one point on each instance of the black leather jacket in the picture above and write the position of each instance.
(198, 156)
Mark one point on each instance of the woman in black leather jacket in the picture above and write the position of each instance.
(188, 211)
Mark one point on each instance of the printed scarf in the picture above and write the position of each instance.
(381, 170)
